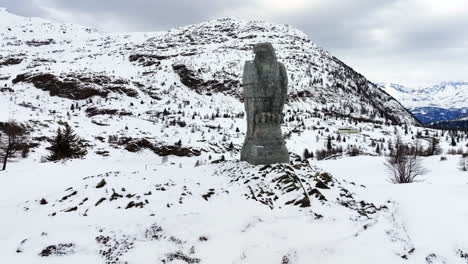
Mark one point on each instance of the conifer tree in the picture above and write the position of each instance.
(66, 144)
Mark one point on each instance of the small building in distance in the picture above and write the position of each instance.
(347, 130)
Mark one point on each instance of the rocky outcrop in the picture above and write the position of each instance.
(10, 61)
(38, 43)
(69, 88)
(135, 145)
(94, 111)
(193, 81)
(76, 86)
(146, 60)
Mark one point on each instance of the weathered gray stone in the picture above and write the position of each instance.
(265, 86)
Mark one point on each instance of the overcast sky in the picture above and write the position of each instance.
(415, 42)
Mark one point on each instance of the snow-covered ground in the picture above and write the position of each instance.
(138, 196)
(423, 222)
(430, 212)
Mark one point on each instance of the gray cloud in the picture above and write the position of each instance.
(409, 41)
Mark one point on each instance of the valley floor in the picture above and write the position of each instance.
(148, 212)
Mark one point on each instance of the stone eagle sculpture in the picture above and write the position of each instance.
(265, 85)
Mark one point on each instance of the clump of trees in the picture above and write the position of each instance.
(403, 164)
(12, 140)
(66, 145)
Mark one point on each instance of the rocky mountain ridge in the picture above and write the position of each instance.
(206, 58)
(440, 102)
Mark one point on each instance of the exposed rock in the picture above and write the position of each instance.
(190, 79)
(94, 111)
(10, 61)
(101, 184)
(6, 90)
(37, 43)
(71, 209)
(135, 145)
(123, 90)
(179, 255)
(148, 59)
(113, 246)
(76, 86)
(68, 88)
(100, 201)
(61, 249)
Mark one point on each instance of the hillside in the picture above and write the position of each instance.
(161, 117)
(204, 59)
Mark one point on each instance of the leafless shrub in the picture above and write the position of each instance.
(12, 140)
(406, 169)
(463, 162)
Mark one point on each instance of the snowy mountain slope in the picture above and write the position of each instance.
(163, 121)
(206, 58)
(444, 101)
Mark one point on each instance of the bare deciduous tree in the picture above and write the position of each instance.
(403, 165)
(406, 169)
(12, 140)
(463, 162)
(434, 147)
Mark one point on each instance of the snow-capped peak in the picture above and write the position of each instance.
(445, 95)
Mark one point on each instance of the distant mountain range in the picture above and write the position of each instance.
(442, 102)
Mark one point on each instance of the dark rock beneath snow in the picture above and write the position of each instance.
(100, 201)
(135, 145)
(179, 255)
(94, 111)
(154, 232)
(71, 209)
(67, 88)
(101, 184)
(207, 195)
(113, 246)
(191, 79)
(10, 61)
(37, 43)
(6, 90)
(61, 249)
(76, 86)
(148, 59)
(135, 204)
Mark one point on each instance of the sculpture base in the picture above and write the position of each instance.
(264, 152)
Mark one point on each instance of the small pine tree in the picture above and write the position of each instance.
(329, 143)
(306, 153)
(453, 142)
(66, 144)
